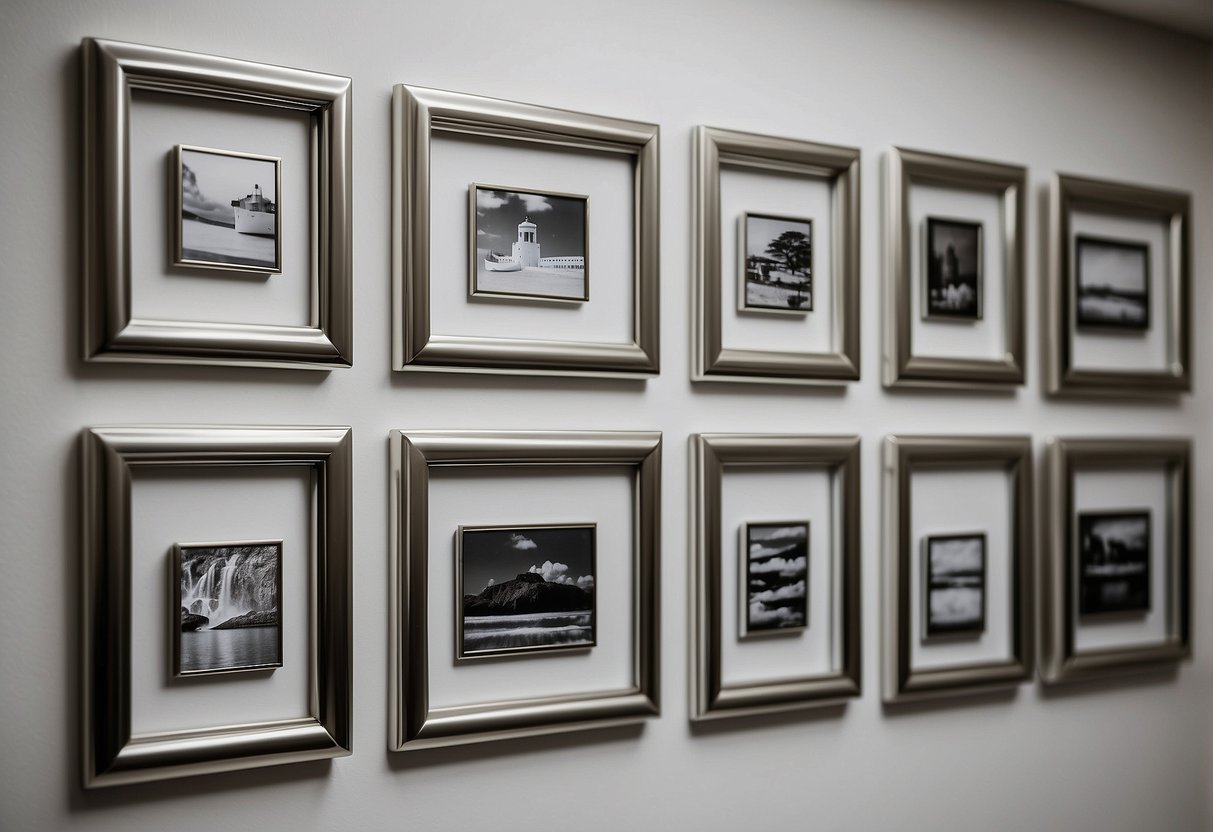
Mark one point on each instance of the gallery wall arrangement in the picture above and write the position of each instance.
(525, 565)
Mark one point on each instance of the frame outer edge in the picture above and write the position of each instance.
(890, 610)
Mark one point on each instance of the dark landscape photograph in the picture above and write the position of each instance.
(1113, 283)
(776, 578)
(956, 584)
(525, 589)
(228, 598)
(953, 287)
(1115, 566)
(228, 210)
(778, 264)
(529, 244)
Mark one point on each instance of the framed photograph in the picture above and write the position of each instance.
(526, 242)
(1118, 289)
(958, 601)
(775, 577)
(227, 207)
(954, 583)
(227, 614)
(954, 290)
(1116, 558)
(815, 648)
(524, 590)
(223, 212)
(222, 601)
(1111, 283)
(525, 594)
(777, 267)
(797, 254)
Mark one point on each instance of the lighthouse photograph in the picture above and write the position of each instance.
(528, 244)
(953, 280)
(228, 210)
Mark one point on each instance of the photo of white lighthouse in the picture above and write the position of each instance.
(528, 244)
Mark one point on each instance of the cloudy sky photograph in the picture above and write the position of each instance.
(1122, 268)
(560, 221)
(561, 555)
(210, 182)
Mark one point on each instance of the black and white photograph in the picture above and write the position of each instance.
(777, 265)
(525, 589)
(1112, 282)
(776, 577)
(228, 607)
(228, 211)
(955, 567)
(1114, 548)
(529, 244)
(953, 286)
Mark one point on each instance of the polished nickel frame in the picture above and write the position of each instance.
(902, 368)
(712, 456)
(903, 455)
(711, 360)
(112, 754)
(1060, 662)
(112, 71)
(1071, 193)
(413, 723)
(418, 114)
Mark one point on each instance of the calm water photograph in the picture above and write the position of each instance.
(228, 211)
(956, 584)
(1114, 547)
(1112, 280)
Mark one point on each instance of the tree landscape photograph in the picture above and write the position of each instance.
(776, 576)
(777, 264)
(1112, 283)
(955, 584)
(525, 589)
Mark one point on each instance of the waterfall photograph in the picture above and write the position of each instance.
(228, 595)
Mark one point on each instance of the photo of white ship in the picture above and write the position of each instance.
(529, 244)
(229, 210)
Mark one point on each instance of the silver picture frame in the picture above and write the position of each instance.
(901, 366)
(903, 455)
(413, 722)
(418, 113)
(711, 456)
(838, 166)
(1060, 661)
(111, 753)
(1173, 208)
(111, 333)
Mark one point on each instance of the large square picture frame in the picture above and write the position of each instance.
(838, 166)
(418, 113)
(903, 455)
(112, 71)
(1060, 662)
(712, 455)
(413, 723)
(112, 754)
(1008, 183)
(1070, 193)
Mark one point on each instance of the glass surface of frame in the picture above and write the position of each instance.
(413, 722)
(418, 114)
(712, 454)
(838, 166)
(902, 456)
(1064, 313)
(1062, 579)
(112, 70)
(902, 367)
(112, 755)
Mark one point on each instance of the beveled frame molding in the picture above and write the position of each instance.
(112, 754)
(1009, 182)
(1070, 193)
(712, 454)
(710, 359)
(111, 71)
(1059, 660)
(413, 723)
(902, 456)
(418, 113)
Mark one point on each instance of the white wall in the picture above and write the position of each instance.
(1050, 86)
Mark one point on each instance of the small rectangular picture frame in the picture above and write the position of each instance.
(588, 641)
(929, 312)
(931, 628)
(1084, 317)
(743, 267)
(746, 597)
(1061, 662)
